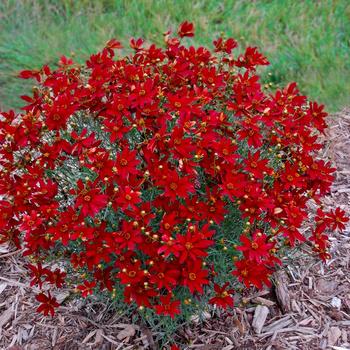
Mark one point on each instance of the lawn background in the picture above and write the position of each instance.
(305, 41)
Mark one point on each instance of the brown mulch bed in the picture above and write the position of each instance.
(308, 308)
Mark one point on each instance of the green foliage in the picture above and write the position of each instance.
(305, 41)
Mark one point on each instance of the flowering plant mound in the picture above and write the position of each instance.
(168, 177)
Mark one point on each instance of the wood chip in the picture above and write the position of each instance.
(98, 337)
(239, 325)
(281, 290)
(334, 334)
(6, 317)
(326, 286)
(279, 324)
(263, 301)
(61, 297)
(259, 319)
(3, 287)
(89, 336)
(127, 332)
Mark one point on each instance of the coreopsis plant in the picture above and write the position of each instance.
(168, 177)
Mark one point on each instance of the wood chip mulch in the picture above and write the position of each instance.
(308, 308)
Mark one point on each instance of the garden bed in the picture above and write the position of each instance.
(308, 308)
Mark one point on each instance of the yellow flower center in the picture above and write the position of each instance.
(188, 245)
(255, 245)
(230, 186)
(132, 274)
(192, 276)
(173, 186)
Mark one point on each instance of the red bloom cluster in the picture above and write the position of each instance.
(127, 168)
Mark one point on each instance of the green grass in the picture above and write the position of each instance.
(305, 41)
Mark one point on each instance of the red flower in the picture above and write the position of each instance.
(86, 288)
(57, 114)
(293, 234)
(48, 303)
(31, 222)
(35, 73)
(291, 176)
(252, 133)
(136, 44)
(82, 143)
(128, 237)
(127, 163)
(167, 306)
(255, 249)
(194, 277)
(164, 275)
(227, 46)
(56, 277)
(126, 198)
(176, 185)
(140, 294)
(192, 245)
(316, 116)
(233, 185)
(252, 273)
(251, 58)
(186, 29)
(256, 166)
(104, 277)
(223, 296)
(338, 219)
(116, 131)
(131, 274)
(37, 272)
(91, 201)
(168, 246)
(114, 44)
(64, 62)
(183, 147)
(226, 150)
